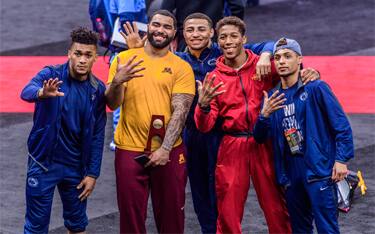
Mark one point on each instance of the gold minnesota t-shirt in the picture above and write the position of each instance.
(149, 95)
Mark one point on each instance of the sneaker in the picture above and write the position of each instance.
(112, 146)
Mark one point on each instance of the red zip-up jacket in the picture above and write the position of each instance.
(239, 107)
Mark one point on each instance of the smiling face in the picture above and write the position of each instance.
(231, 41)
(287, 62)
(161, 31)
(81, 59)
(197, 33)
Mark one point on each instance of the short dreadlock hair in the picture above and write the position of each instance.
(85, 36)
(232, 20)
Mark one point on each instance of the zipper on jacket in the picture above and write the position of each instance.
(246, 104)
(39, 164)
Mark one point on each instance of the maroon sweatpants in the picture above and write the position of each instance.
(167, 185)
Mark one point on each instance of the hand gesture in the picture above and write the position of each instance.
(128, 71)
(159, 157)
(207, 92)
(340, 170)
(89, 184)
(309, 74)
(263, 67)
(132, 38)
(50, 89)
(272, 103)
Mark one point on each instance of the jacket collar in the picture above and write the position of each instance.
(204, 54)
(91, 77)
(222, 67)
(299, 84)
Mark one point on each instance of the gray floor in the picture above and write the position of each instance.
(41, 27)
(14, 129)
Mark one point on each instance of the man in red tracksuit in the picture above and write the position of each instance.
(233, 94)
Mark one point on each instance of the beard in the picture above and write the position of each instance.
(158, 45)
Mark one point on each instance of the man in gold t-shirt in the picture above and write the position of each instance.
(155, 89)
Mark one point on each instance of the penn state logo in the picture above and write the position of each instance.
(303, 96)
(32, 182)
(93, 97)
(211, 62)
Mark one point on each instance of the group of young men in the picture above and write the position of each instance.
(212, 95)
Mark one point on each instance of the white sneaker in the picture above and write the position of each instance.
(112, 146)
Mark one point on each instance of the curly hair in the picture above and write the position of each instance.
(232, 20)
(83, 35)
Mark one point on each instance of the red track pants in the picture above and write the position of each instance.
(240, 158)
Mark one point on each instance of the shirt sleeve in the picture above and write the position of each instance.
(184, 80)
(30, 91)
(338, 121)
(112, 70)
(258, 48)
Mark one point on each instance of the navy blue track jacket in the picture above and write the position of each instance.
(47, 120)
(327, 132)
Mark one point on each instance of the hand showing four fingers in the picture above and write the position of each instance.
(127, 71)
(207, 91)
(131, 36)
(272, 103)
(50, 88)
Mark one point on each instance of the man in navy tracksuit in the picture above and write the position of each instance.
(202, 148)
(312, 141)
(65, 145)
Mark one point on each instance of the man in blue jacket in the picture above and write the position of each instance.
(65, 145)
(312, 142)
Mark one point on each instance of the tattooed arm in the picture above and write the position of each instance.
(181, 103)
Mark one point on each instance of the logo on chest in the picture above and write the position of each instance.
(167, 70)
(303, 96)
(211, 62)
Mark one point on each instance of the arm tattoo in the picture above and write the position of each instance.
(181, 103)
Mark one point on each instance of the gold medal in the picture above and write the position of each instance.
(157, 123)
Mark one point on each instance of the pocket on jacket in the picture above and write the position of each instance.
(318, 159)
(37, 139)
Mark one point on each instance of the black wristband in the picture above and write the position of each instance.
(205, 109)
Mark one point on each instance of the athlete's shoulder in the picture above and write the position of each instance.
(178, 61)
(316, 84)
(131, 52)
(181, 54)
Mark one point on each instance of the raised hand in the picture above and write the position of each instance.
(128, 71)
(273, 103)
(132, 38)
(50, 89)
(207, 92)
